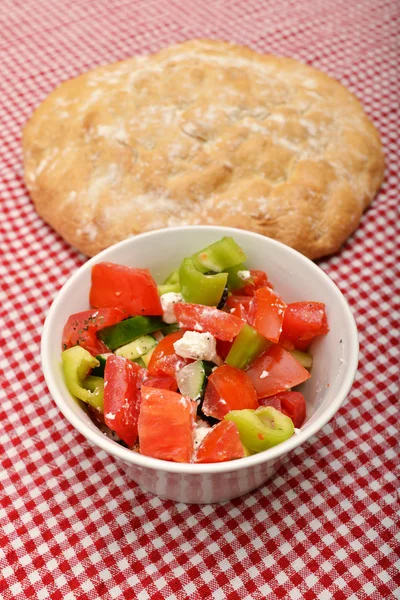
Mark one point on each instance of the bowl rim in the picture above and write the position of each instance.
(131, 457)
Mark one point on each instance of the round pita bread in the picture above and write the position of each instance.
(203, 132)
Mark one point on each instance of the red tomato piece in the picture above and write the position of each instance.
(276, 371)
(238, 306)
(164, 360)
(303, 321)
(287, 344)
(121, 397)
(223, 348)
(166, 424)
(228, 389)
(132, 290)
(220, 444)
(162, 383)
(293, 405)
(266, 313)
(260, 280)
(197, 317)
(80, 329)
(273, 401)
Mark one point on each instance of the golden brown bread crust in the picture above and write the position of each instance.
(203, 133)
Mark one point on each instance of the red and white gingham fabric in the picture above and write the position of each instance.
(71, 525)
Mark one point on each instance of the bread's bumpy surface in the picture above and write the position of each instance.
(203, 133)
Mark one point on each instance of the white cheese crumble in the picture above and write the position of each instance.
(199, 435)
(264, 374)
(110, 416)
(167, 303)
(199, 346)
(244, 275)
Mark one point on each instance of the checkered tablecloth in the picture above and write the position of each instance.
(72, 526)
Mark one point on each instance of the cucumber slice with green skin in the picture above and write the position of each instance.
(146, 357)
(137, 348)
(99, 371)
(192, 379)
(128, 330)
(306, 360)
(140, 362)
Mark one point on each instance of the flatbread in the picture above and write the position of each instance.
(203, 132)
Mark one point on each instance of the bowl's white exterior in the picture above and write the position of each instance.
(294, 276)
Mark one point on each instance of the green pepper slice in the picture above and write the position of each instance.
(165, 288)
(199, 288)
(234, 281)
(247, 346)
(172, 278)
(262, 428)
(219, 256)
(76, 364)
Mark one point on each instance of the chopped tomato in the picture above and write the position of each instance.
(303, 321)
(259, 280)
(223, 348)
(293, 405)
(197, 317)
(287, 344)
(266, 313)
(162, 383)
(228, 389)
(121, 397)
(166, 424)
(220, 444)
(132, 290)
(238, 306)
(164, 360)
(80, 329)
(273, 401)
(276, 371)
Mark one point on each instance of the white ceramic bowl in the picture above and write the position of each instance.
(295, 277)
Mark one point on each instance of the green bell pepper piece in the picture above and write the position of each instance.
(171, 328)
(199, 288)
(219, 256)
(247, 346)
(76, 364)
(165, 288)
(262, 428)
(234, 281)
(172, 278)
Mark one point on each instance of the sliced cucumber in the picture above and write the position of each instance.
(140, 362)
(192, 379)
(128, 330)
(146, 357)
(137, 348)
(306, 360)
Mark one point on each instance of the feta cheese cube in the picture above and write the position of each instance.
(244, 275)
(199, 435)
(199, 346)
(167, 304)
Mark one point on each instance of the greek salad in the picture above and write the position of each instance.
(203, 368)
